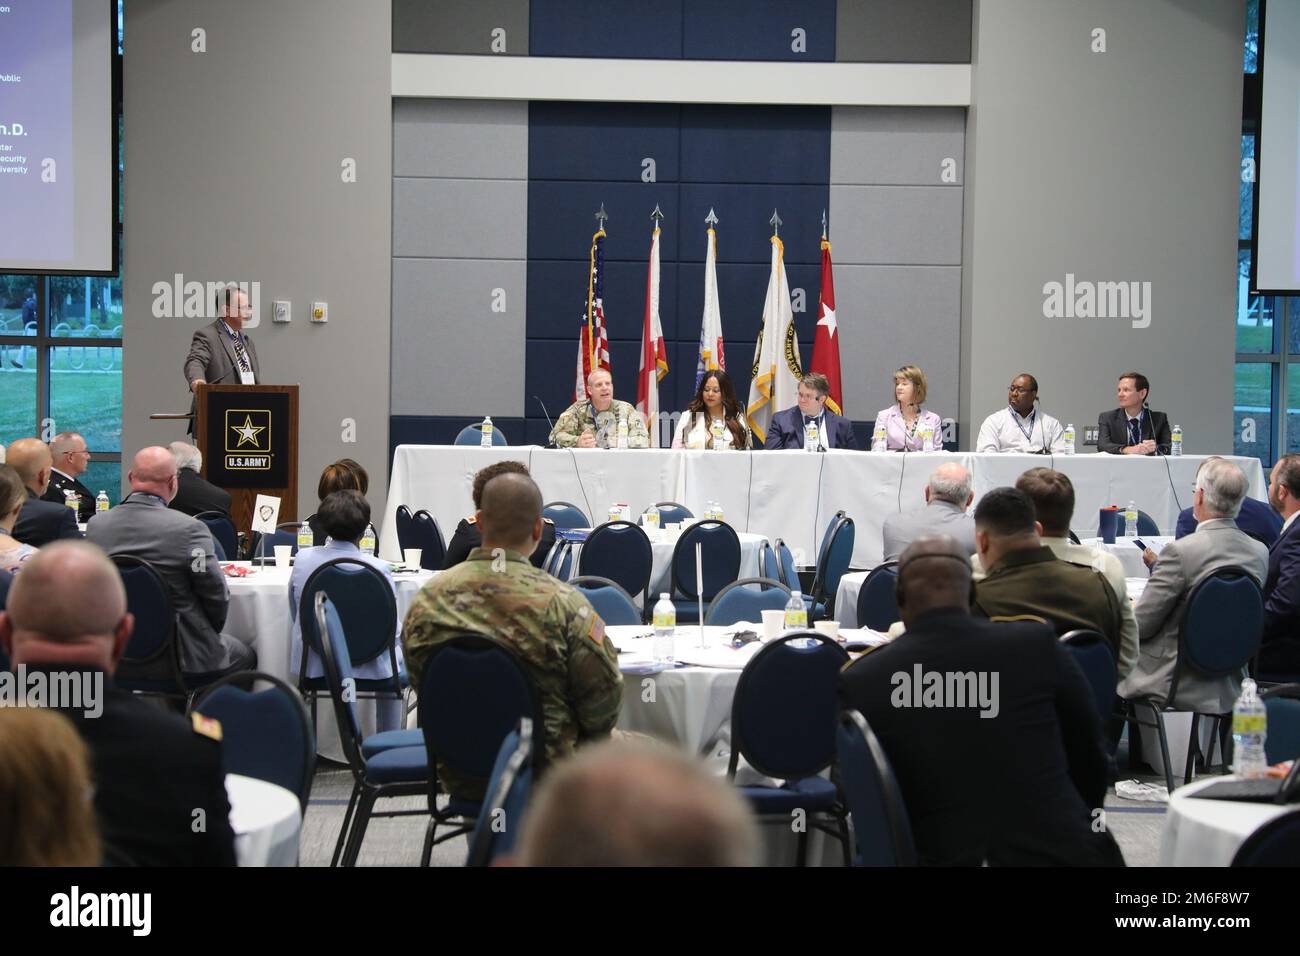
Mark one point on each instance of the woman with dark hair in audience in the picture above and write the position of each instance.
(714, 418)
(468, 537)
(343, 475)
(47, 817)
(12, 495)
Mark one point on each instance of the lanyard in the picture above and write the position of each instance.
(239, 348)
(1016, 418)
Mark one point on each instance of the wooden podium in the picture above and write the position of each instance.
(249, 438)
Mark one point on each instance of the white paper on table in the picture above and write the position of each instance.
(266, 512)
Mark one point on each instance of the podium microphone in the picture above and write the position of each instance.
(549, 442)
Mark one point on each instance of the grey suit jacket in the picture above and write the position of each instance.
(937, 517)
(180, 548)
(212, 358)
(1218, 543)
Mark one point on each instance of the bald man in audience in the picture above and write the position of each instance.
(71, 458)
(157, 775)
(180, 549)
(39, 522)
(947, 497)
(625, 804)
(990, 726)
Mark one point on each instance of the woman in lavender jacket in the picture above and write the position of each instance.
(902, 420)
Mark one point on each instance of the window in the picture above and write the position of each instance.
(61, 356)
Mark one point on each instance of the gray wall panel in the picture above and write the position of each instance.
(891, 316)
(1115, 166)
(460, 218)
(466, 139)
(459, 26)
(896, 225)
(268, 204)
(895, 146)
(918, 31)
(452, 354)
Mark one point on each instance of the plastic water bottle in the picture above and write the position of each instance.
(1131, 521)
(810, 437)
(927, 437)
(71, 500)
(485, 440)
(305, 537)
(1249, 730)
(622, 430)
(652, 517)
(1069, 439)
(665, 621)
(718, 429)
(1176, 442)
(715, 511)
(879, 439)
(368, 540)
(101, 501)
(796, 613)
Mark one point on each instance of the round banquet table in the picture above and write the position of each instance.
(259, 616)
(1130, 556)
(1209, 832)
(661, 568)
(266, 819)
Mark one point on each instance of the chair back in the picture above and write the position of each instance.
(559, 560)
(267, 543)
(768, 565)
(833, 559)
(670, 512)
(1283, 706)
(405, 529)
(789, 575)
(1276, 843)
(223, 533)
(1093, 655)
(1146, 525)
(784, 711)
(1221, 626)
(428, 538)
(877, 600)
(566, 515)
(506, 799)
(612, 603)
(741, 601)
(339, 675)
(880, 821)
(473, 435)
(363, 600)
(153, 640)
(720, 552)
(264, 733)
(473, 693)
(620, 551)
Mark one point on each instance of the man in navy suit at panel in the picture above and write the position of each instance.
(1257, 519)
(1280, 652)
(788, 427)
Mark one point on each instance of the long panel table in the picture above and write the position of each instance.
(790, 495)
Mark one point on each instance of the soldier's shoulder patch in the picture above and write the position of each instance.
(207, 726)
(596, 631)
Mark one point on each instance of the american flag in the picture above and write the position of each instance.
(593, 342)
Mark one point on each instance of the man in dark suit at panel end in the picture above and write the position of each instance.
(1280, 652)
(1133, 428)
(793, 427)
(990, 726)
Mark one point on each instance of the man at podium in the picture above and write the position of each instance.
(221, 353)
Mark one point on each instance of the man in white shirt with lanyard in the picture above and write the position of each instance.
(1021, 426)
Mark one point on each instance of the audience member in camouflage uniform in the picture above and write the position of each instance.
(551, 627)
(593, 423)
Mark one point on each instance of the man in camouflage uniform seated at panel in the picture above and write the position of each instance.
(553, 629)
(593, 422)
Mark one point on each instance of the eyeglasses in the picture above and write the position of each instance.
(1019, 389)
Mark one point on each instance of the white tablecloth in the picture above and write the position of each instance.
(660, 583)
(266, 819)
(846, 598)
(1209, 832)
(259, 616)
(1129, 554)
(787, 494)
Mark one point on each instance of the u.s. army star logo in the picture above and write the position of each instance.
(248, 432)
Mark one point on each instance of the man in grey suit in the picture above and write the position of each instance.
(947, 497)
(1218, 543)
(180, 549)
(220, 353)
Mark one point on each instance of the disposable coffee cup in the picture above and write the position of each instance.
(830, 628)
(283, 555)
(411, 557)
(773, 623)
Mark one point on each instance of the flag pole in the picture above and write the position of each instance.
(601, 216)
(823, 225)
(776, 221)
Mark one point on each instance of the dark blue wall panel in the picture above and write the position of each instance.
(741, 161)
(757, 29)
(607, 28)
